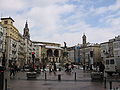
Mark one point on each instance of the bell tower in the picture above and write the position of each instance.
(26, 31)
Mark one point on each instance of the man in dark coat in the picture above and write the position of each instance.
(101, 67)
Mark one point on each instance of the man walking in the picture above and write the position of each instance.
(12, 70)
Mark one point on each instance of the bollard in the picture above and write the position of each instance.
(104, 82)
(5, 84)
(110, 85)
(45, 76)
(75, 76)
(59, 77)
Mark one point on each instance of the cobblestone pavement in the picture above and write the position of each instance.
(83, 81)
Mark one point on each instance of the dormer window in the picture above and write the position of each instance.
(5, 22)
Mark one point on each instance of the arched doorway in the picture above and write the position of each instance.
(56, 53)
(49, 53)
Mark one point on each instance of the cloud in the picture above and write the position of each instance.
(105, 9)
(64, 20)
(48, 17)
(11, 5)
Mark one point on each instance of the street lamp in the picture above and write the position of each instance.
(33, 57)
(83, 58)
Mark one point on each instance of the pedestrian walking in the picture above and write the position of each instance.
(50, 68)
(44, 66)
(54, 68)
(12, 70)
(101, 67)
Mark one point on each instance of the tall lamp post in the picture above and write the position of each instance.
(83, 58)
(84, 46)
(33, 58)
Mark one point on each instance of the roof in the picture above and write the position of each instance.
(7, 18)
(45, 42)
(39, 44)
(53, 47)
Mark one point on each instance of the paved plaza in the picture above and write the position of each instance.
(82, 81)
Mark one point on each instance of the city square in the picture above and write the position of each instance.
(60, 44)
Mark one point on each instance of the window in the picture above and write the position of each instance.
(1, 34)
(112, 61)
(116, 52)
(5, 22)
(107, 62)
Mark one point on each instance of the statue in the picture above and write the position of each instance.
(65, 45)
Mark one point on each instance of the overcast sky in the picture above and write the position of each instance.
(62, 21)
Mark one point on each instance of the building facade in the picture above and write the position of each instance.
(110, 48)
(92, 54)
(51, 52)
(74, 53)
(2, 42)
(11, 40)
(116, 47)
(21, 51)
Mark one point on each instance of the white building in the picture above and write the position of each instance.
(104, 48)
(116, 46)
(111, 48)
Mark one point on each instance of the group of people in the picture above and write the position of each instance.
(52, 67)
(69, 67)
(99, 66)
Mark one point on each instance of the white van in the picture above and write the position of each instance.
(112, 65)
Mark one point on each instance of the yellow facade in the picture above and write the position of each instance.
(11, 31)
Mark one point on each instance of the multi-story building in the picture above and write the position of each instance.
(106, 49)
(2, 42)
(92, 54)
(74, 53)
(49, 51)
(89, 53)
(110, 48)
(19, 47)
(116, 46)
(21, 51)
(39, 49)
(11, 39)
(71, 53)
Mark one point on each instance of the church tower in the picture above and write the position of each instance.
(84, 39)
(26, 31)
